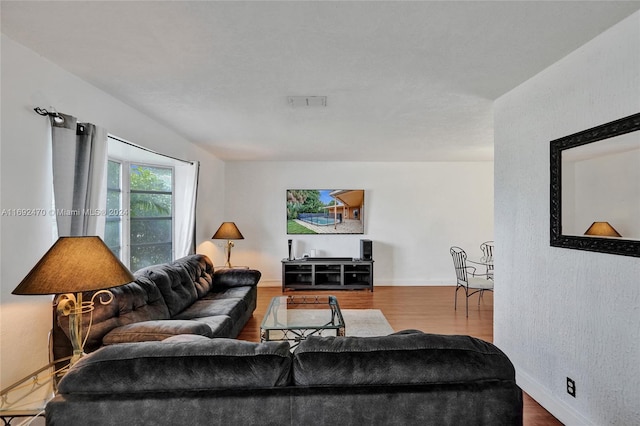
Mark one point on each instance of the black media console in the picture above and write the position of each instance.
(327, 273)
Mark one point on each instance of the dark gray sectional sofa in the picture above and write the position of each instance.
(182, 297)
(407, 378)
(161, 353)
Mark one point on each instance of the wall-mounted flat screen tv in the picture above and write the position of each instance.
(325, 211)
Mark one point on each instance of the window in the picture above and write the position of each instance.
(113, 226)
(139, 225)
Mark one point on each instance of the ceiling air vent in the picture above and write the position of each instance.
(307, 101)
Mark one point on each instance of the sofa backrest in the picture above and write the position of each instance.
(408, 357)
(137, 301)
(159, 292)
(182, 281)
(180, 363)
(200, 381)
(199, 269)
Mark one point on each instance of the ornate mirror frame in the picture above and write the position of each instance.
(619, 246)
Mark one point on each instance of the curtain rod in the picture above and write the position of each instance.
(150, 150)
(59, 119)
(53, 113)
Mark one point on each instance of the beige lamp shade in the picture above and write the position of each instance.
(228, 231)
(75, 264)
(602, 229)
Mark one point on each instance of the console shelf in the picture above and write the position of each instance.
(327, 274)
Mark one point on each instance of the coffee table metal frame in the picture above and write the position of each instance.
(276, 319)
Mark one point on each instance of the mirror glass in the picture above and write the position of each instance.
(601, 183)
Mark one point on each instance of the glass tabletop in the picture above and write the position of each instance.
(294, 318)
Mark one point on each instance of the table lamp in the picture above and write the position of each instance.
(71, 266)
(602, 229)
(228, 231)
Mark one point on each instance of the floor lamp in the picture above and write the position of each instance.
(72, 266)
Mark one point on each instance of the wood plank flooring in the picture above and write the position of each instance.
(429, 309)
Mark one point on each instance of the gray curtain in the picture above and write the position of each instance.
(79, 176)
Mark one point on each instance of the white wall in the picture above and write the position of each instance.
(561, 312)
(413, 213)
(29, 80)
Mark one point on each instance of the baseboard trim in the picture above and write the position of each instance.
(270, 283)
(566, 414)
(278, 283)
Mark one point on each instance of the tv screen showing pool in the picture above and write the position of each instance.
(325, 211)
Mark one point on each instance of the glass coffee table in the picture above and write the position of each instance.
(294, 318)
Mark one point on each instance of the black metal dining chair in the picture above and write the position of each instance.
(487, 257)
(468, 279)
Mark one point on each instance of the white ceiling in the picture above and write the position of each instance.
(405, 81)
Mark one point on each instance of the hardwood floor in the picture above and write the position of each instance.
(429, 309)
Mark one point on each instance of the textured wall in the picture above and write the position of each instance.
(413, 213)
(561, 312)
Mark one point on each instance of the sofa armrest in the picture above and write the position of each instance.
(236, 277)
(146, 331)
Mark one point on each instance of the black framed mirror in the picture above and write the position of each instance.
(596, 146)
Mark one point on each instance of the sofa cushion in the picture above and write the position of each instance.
(234, 308)
(220, 325)
(401, 358)
(179, 365)
(248, 294)
(146, 331)
(243, 292)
